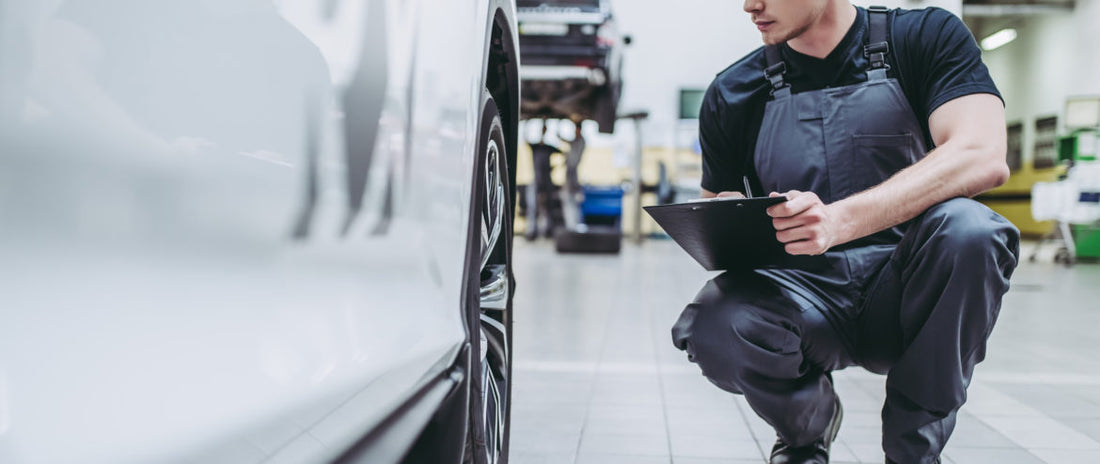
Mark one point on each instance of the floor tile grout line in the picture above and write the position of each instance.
(1083, 397)
(1040, 413)
(660, 381)
(1028, 452)
(592, 386)
(752, 433)
(587, 408)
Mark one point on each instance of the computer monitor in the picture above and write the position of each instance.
(690, 102)
(1082, 113)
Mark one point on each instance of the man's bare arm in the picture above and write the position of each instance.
(969, 132)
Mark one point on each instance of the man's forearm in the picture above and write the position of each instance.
(953, 170)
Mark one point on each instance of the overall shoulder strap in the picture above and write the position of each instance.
(877, 47)
(775, 71)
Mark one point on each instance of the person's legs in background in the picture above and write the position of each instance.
(531, 205)
(571, 196)
(545, 188)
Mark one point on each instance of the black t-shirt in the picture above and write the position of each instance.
(932, 55)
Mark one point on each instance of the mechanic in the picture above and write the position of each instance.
(571, 195)
(573, 159)
(838, 112)
(539, 219)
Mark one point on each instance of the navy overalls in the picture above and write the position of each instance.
(915, 302)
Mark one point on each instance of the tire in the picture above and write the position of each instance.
(490, 316)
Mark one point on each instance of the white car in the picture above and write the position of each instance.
(256, 230)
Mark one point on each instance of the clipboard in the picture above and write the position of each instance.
(728, 233)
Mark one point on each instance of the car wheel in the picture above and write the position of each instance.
(472, 425)
(490, 395)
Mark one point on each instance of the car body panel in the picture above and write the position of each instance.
(185, 274)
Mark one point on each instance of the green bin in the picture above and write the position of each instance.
(1087, 240)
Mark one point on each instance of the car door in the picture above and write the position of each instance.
(199, 256)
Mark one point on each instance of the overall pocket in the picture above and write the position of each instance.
(877, 157)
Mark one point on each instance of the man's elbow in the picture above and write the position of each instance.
(995, 175)
(991, 170)
(999, 174)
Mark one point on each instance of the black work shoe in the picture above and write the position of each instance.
(814, 453)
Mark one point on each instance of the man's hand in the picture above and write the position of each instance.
(804, 224)
(731, 195)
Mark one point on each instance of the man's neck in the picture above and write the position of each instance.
(824, 35)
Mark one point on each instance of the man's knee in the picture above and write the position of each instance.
(732, 339)
(970, 232)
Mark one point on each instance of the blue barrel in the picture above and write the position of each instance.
(604, 202)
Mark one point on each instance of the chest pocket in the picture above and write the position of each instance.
(877, 157)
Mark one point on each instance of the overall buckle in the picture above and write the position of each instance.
(876, 53)
(774, 74)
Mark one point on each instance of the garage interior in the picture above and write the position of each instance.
(597, 379)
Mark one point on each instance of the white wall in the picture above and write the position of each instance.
(677, 44)
(1054, 56)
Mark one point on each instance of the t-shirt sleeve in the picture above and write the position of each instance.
(946, 58)
(718, 172)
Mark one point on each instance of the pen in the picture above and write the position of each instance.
(748, 190)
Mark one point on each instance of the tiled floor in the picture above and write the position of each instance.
(597, 380)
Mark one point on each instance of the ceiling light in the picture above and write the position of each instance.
(999, 38)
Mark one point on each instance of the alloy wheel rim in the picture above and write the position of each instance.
(492, 399)
(492, 214)
(494, 290)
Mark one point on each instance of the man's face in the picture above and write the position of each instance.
(783, 20)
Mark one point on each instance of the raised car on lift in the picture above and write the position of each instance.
(571, 56)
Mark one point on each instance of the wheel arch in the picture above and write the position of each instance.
(501, 77)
